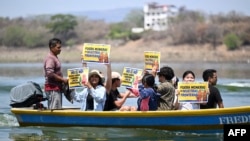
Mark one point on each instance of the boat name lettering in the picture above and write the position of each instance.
(235, 119)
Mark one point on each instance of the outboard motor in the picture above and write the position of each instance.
(26, 95)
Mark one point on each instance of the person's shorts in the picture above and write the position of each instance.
(54, 99)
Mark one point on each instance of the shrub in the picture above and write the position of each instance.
(119, 31)
(34, 39)
(14, 36)
(71, 42)
(232, 41)
(134, 36)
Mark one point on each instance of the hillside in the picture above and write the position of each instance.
(109, 16)
(133, 52)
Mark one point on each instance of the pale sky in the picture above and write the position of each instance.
(17, 8)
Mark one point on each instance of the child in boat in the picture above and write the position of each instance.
(148, 98)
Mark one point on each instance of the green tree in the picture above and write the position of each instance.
(62, 26)
(119, 31)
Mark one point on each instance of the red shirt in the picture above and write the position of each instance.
(52, 66)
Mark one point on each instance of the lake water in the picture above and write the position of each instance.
(233, 83)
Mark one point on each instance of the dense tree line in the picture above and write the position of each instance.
(185, 27)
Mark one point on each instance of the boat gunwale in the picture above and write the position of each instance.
(176, 113)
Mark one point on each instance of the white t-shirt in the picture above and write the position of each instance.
(189, 106)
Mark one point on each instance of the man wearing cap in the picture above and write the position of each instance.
(115, 99)
(93, 97)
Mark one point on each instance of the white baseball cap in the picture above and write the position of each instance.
(116, 75)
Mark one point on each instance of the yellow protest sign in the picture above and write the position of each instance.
(151, 59)
(131, 76)
(77, 76)
(96, 53)
(194, 92)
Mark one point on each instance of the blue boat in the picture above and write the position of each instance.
(192, 121)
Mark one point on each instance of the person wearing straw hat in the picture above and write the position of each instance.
(93, 96)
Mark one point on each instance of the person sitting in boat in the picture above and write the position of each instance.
(93, 96)
(115, 99)
(188, 76)
(214, 98)
(148, 98)
(166, 88)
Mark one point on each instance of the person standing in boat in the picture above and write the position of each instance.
(214, 97)
(53, 75)
(166, 88)
(188, 76)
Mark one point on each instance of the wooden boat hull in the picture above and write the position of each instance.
(195, 121)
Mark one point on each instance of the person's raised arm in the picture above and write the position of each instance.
(109, 78)
(154, 70)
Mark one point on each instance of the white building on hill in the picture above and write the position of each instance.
(156, 16)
